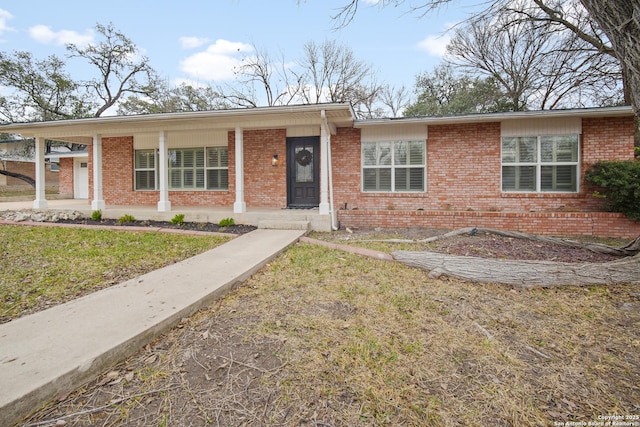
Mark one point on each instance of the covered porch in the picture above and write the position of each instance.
(257, 184)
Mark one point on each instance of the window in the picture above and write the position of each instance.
(394, 166)
(187, 169)
(540, 163)
(145, 169)
(218, 168)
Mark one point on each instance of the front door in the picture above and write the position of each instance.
(303, 174)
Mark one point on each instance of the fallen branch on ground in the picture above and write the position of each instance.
(629, 249)
(524, 274)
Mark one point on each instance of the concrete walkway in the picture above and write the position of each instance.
(58, 349)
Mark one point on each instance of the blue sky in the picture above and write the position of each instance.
(202, 40)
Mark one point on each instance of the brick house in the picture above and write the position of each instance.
(519, 171)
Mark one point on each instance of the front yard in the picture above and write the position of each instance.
(321, 337)
(43, 266)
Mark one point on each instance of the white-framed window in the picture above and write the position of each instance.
(547, 163)
(145, 169)
(394, 166)
(218, 168)
(188, 168)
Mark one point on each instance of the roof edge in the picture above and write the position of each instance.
(498, 117)
(186, 115)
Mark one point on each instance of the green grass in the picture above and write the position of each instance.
(44, 266)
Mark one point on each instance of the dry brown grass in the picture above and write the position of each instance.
(325, 338)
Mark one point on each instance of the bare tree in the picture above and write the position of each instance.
(396, 99)
(327, 72)
(613, 28)
(122, 69)
(538, 63)
(277, 81)
(334, 74)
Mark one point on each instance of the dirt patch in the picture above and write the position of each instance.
(483, 245)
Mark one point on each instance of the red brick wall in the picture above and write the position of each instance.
(463, 170)
(600, 224)
(265, 185)
(65, 178)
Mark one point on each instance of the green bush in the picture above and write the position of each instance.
(226, 222)
(177, 220)
(126, 218)
(620, 185)
(96, 215)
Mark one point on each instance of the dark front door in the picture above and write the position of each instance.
(303, 176)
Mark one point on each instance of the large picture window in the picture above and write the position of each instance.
(393, 166)
(188, 168)
(540, 163)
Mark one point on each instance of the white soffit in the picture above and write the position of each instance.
(409, 132)
(145, 141)
(542, 126)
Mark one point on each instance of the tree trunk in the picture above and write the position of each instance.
(25, 178)
(620, 20)
(524, 274)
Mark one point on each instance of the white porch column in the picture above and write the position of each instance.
(239, 206)
(40, 201)
(98, 201)
(325, 136)
(164, 205)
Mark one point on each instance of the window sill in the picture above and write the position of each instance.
(544, 195)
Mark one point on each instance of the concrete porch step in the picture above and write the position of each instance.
(283, 224)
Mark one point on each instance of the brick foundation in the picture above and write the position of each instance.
(600, 224)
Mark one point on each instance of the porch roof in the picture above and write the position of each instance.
(82, 130)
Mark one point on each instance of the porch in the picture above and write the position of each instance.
(268, 218)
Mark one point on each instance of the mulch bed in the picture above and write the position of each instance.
(192, 226)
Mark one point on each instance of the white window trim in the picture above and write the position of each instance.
(155, 170)
(392, 167)
(539, 164)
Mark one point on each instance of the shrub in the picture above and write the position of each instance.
(620, 185)
(96, 215)
(126, 218)
(177, 220)
(226, 222)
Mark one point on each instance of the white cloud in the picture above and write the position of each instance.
(193, 42)
(4, 17)
(217, 62)
(435, 45)
(44, 34)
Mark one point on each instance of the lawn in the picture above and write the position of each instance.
(44, 266)
(321, 337)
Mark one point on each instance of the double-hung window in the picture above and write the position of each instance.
(145, 169)
(393, 166)
(540, 163)
(218, 168)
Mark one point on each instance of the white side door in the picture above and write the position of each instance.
(81, 179)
